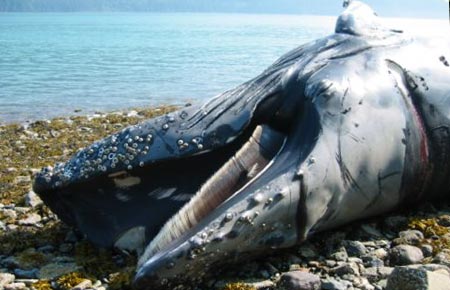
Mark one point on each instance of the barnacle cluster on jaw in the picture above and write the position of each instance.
(121, 151)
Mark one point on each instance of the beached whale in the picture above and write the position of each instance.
(346, 127)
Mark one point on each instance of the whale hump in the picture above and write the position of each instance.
(360, 19)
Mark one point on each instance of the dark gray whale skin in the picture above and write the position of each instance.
(365, 115)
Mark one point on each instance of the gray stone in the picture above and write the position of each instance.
(6, 278)
(411, 237)
(405, 255)
(346, 269)
(355, 248)
(27, 274)
(374, 274)
(371, 261)
(16, 286)
(362, 283)
(340, 255)
(299, 280)
(32, 199)
(443, 258)
(308, 251)
(407, 278)
(427, 250)
(54, 270)
(333, 284)
(31, 220)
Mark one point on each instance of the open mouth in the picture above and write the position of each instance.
(244, 166)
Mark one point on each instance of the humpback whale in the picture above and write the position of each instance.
(346, 127)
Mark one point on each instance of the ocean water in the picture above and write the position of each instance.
(54, 63)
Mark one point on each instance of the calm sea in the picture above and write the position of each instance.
(54, 63)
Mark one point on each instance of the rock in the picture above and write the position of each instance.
(333, 284)
(132, 114)
(22, 179)
(83, 285)
(405, 255)
(355, 248)
(32, 199)
(374, 274)
(427, 250)
(444, 220)
(346, 269)
(340, 255)
(16, 286)
(407, 278)
(299, 280)
(362, 283)
(308, 251)
(54, 270)
(2, 226)
(65, 248)
(10, 262)
(443, 258)
(411, 237)
(394, 223)
(31, 220)
(370, 231)
(9, 214)
(6, 278)
(27, 274)
(371, 261)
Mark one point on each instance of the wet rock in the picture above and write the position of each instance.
(405, 255)
(6, 278)
(27, 274)
(16, 286)
(407, 278)
(31, 220)
(53, 270)
(355, 248)
(32, 199)
(299, 280)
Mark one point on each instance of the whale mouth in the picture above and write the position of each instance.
(241, 169)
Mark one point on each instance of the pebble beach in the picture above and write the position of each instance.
(407, 249)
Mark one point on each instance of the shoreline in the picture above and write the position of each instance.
(38, 252)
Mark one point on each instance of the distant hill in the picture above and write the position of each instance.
(399, 8)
